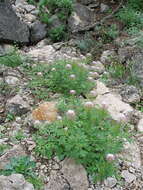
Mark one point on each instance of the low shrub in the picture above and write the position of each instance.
(86, 134)
(23, 165)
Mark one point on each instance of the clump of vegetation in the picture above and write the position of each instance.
(23, 165)
(86, 134)
(65, 77)
(58, 33)
(131, 16)
(61, 8)
(3, 147)
(11, 59)
(122, 73)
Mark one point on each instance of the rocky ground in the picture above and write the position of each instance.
(17, 99)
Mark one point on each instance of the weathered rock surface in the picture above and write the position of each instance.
(75, 174)
(131, 154)
(80, 18)
(38, 32)
(14, 182)
(11, 28)
(129, 177)
(17, 105)
(137, 68)
(118, 110)
(48, 54)
(130, 94)
(56, 182)
(16, 151)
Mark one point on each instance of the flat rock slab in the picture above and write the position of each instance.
(14, 182)
(75, 174)
(11, 28)
(118, 110)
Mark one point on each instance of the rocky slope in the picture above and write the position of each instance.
(17, 99)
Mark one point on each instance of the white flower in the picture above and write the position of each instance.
(94, 74)
(71, 114)
(53, 69)
(89, 105)
(59, 117)
(90, 79)
(66, 128)
(110, 157)
(93, 93)
(104, 105)
(72, 76)
(68, 66)
(72, 92)
(39, 74)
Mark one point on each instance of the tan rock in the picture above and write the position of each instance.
(75, 174)
(101, 88)
(131, 154)
(118, 110)
(46, 111)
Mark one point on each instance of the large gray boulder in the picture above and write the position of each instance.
(81, 18)
(11, 28)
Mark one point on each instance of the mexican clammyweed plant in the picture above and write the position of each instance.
(66, 76)
(84, 133)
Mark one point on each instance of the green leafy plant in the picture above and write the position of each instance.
(19, 136)
(58, 79)
(23, 165)
(62, 5)
(58, 33)
(136, 4)
(3, 147)
(11, 59)
(112, 31)
(10, 117)
(66, 76)
(130, 17)
(86, 134)
(122, 73)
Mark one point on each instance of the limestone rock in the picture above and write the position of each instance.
(110, 182)
(131, 154)
(11, 28)
(16, 151)
(104, 8)
(56, 182)
(101, 88)
(129, 177)
(98, 67)
(48, 54)
(38, 32)
(118, 110)
(14, 182)
(130, 94)
(107, 56)
(46, 111)
(17, 106)
(80, 18)
(75, 174)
